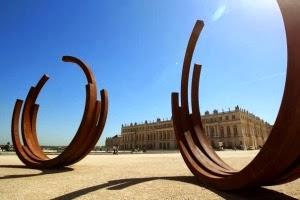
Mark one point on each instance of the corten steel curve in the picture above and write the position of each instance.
(279, 160)
(88, 133)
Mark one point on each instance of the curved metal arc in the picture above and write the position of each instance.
(16, 135)
(187, 63)
(284, 134)
(87, 71)
(198, 126)
(97, 130)
(87, 143)
(89, 130)
(201, 140)
(203, 159)
(188, 128)
(82, 133)
(69, 152)
(29, 135)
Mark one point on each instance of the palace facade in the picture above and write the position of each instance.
(233, 129)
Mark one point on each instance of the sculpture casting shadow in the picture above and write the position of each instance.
(42, 172)
(120, 184)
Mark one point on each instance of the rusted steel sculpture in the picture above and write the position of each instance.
(279, 160)
(88, 133)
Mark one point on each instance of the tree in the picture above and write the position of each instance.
(6, 147)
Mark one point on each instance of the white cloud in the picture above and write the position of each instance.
(219, 12)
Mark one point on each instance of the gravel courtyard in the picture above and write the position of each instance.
(126, 176)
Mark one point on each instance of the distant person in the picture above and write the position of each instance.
(115, 150)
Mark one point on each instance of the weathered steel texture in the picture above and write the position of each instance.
(279, 160)
(88, 133)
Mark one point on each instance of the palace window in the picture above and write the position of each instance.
(222, 131)
(212, 131)
(235, 131)
(228, 131)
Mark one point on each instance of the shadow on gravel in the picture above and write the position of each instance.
(257, 193)
(42, 171)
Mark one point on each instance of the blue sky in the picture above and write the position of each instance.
(135, 49)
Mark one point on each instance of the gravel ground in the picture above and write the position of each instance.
(126, 176)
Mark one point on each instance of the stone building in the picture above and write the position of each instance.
(149, 135)
(233, 129)
(110, 142)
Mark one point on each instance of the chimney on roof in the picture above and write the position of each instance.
(237, 108)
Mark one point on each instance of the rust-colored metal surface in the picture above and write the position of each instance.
(88, 133)
(279, 160)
